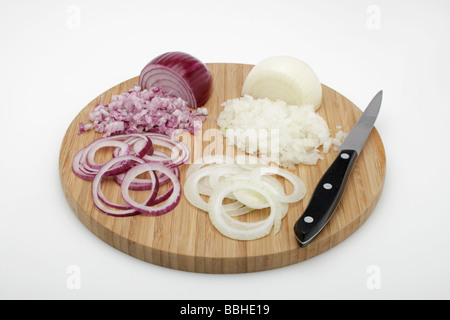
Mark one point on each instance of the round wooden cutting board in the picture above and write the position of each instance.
(185, 239)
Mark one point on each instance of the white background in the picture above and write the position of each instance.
(56, 56)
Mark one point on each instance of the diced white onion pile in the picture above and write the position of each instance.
(251, 183)
(278, 132)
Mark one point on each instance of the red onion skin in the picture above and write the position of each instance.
(193, 71)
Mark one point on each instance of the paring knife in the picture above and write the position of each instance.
(329, 190)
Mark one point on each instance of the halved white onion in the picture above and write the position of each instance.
(284, 78)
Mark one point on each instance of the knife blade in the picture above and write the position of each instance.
(329, 190)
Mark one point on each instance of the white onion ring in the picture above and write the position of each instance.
(299, 186)
(236, 229)
(214, 159)
(251, 183)
(193, 196)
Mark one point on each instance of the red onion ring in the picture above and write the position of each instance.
(133, 150)
(122, 147)
(172, 144)
(100, 200)
(146, 184)
(142, 145)
(150, 208)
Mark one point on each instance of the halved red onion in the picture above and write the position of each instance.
(179, 74)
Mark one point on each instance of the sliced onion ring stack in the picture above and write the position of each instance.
(251, 186)
(133, 155)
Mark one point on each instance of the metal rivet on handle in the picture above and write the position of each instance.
(327, 186)
(308, 219)
(345, 156)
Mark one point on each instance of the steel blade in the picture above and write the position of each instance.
(358, 135)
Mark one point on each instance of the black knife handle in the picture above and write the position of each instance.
(325, 198)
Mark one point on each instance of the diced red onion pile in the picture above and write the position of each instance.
(148, 110)
(134, 154)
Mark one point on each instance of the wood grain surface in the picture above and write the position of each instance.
(185, 239)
